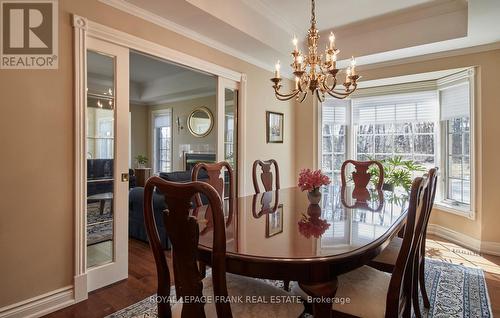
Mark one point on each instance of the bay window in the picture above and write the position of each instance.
(428, 123)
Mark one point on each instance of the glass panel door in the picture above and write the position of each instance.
(107, 157)
(100, 122)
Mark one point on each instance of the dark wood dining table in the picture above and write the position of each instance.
(278, 235)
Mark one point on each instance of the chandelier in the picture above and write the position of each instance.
(314, 75)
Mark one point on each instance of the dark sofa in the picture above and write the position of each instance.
(137, 229)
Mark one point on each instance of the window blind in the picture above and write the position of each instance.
(163, 119)
(455, 101)
(394, 108)
(335, 111)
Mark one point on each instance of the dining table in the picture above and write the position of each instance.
(279, 235)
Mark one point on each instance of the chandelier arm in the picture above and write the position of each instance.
(303, 97)
(290, 95)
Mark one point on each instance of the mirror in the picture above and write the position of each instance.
(200, 122)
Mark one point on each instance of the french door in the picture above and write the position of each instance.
(107, 156)
(227, 123)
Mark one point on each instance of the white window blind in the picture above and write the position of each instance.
(455, 101)
(408, 107)
(335, 111)
(164, 119)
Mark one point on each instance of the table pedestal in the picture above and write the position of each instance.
(322, 295)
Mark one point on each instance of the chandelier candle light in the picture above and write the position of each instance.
(314, 75)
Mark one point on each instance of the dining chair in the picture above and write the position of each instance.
(386, 260)
(216, 178)
(373, 293)
(183, 231)
(266, 176)
(361, 177)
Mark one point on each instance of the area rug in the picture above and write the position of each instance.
(99, 226)
(454, 291)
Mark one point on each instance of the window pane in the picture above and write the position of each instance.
(383, 144)
(403, 128)
(338, 129)
(338, 160)
(455, 125)
(365, 144)
(455, 169)
(455, 141)
(455, 192)
(339, 144)
(327, 144)
(384, 128)
(422, 128)
(365, 129)
(427, 161)
(467, 143)
(327, 163)
(424, 144)
(402, 144)
(466, 192)
(466, 168)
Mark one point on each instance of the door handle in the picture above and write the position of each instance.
(125, 177)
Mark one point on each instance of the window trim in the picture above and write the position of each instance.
(465, 210)
(153, 137)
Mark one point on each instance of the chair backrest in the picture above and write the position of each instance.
(399, 296)
(183, 233)
(266, 176)
(361, 177)
(428, 205)
(215, 177)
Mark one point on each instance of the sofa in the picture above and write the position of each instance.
(137, 229)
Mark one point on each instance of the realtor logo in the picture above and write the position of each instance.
(29, 38)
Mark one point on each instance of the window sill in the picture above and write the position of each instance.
(454, 209)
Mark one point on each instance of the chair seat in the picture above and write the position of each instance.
(363, 291)
(386, 261)
(244, 286)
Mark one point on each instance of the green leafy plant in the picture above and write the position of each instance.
(141, 159)
(397, 172)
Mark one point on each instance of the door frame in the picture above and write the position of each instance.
(83, 29)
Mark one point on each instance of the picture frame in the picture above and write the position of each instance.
(274, 222)
(275, 126)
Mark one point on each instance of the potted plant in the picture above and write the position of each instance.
(311, 181)
(141, 161)
(397, 172)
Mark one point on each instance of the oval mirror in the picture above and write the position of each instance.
(200, 122)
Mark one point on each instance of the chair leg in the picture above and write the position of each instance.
(286, 285)
(203, 269)
(421, 279)
(101, 210)
(414, 296)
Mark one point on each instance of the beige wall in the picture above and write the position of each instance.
(183, 109)
(139, 132)
(485, 226)
(36, 138)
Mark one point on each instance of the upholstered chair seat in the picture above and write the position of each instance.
(360, 293)
(386, 260)
(249, 288)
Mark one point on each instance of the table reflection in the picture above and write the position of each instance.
(292, 228)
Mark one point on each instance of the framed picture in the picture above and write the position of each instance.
(274, 127)
(274, 222)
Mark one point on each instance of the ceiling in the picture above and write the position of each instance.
(260, 31)
(152, 81)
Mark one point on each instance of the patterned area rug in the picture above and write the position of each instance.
(454, 291)
(99, 226)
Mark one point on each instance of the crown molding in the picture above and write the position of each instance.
(174, 27)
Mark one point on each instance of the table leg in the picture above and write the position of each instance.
(322, 295)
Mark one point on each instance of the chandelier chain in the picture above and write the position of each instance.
(313, 13)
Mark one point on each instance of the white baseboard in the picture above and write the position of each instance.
(40, 305)
(492, 248)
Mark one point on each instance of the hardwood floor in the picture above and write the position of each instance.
(142, 279)
(140, 284)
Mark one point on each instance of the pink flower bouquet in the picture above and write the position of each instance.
(311, 180)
